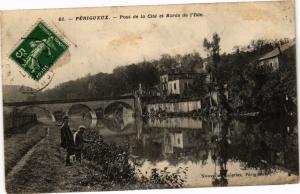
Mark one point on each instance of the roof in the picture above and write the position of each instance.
(276, 51)
(156, 86)
(180, 73)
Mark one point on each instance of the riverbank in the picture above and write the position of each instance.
(45, 170)
(17, 145)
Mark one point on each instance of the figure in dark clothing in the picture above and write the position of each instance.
(78, 142)
(67, 140)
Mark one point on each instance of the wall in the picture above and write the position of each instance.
(178, 123)
(174, 107)
(272, 62)
(179, 86)
(173, 87)
(184, 85)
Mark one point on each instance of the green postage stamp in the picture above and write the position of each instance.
(38, 51)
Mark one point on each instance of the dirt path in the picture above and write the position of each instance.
(21, 163)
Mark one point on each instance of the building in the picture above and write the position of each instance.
(179, 86)
(273, 59)
(174, 107)
(177, 83)
(164, 83)
(152, 91)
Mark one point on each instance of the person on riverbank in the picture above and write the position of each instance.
(67, 141)
(79, 142)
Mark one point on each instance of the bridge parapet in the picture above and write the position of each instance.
(64, 106)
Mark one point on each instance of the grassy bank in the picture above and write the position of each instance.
(16, 145)
(45, 170)
(104, 167)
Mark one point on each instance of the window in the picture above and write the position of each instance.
(271, 64)
(174, 86)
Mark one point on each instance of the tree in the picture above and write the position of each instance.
(199, 88)
(167, 62)
(191, 62)
(213, 49)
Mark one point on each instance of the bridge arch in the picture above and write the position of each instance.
(77, 109)
(50, 114)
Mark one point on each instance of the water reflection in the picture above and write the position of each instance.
(119, 119)
(218, 153)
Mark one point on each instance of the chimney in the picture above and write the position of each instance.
(279, 48)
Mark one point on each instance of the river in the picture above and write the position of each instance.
(215, 152)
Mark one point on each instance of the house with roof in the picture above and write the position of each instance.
(177, 83)
(272, 59)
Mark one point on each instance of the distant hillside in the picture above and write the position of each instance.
(122, 80)
(13, 93)
(125, 79)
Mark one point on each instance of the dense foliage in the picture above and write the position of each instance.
(263, 89)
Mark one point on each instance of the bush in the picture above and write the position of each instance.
(109, 165)
(164, 179)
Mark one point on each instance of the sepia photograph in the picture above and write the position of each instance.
(149, 97)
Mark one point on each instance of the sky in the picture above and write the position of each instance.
(100, 46)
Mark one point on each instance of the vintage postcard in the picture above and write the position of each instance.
(149, 97)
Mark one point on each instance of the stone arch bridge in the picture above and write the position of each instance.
(96, 106)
